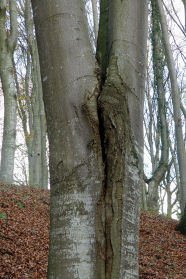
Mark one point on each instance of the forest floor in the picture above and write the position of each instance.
(24, 238)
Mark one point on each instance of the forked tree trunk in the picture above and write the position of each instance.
(95, 158)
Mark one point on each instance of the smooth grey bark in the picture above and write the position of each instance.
(168, 189)
(95, 161)
(37, 131)
(176, 172)
(76, 172)
(36, 145)
(170, 202)
(176, 106)
(44, 160)
(7, 47)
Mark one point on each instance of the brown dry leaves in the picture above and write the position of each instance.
(162, 249)
(24, 238)
(24, 235)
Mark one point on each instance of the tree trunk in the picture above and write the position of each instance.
(38, 167)
(44, 162)
(184, 3)
(37, 131)
(169, 194)
(122, 59)
(95, 161)
(160, 170)
(176, 106)
(76, 171)
(7, 46)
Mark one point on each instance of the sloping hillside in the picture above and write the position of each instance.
(24, 235)
(24, 238)
(162, 249)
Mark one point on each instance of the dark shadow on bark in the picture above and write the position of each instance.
(182, 224)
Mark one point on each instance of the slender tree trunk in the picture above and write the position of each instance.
(95, 158)
(160, 170)
(176, 106)
(29, 133)
(36, 151)
(44, 162)
(39, 164)
(169, 195)
(184, 2)
(37, 132)
(7, 47)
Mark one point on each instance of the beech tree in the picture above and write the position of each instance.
(94, 110)
(8, 39)
(38, 169)
(29, 97)
(159, 166)
(164, 82)
(176, 106)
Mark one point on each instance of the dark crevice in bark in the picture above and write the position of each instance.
(101, 132)
(101, 245)
(101, 80)
(113, 116)
(107, 202)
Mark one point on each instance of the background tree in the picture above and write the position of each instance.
(95, 158)
(160, 166)
(39, 166)
(30, 102)
(22, 86)
(8, 39)
(169, 186)
(176, 106)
